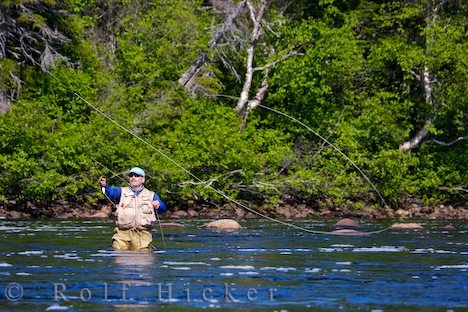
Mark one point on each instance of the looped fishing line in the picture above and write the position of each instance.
(220, 192)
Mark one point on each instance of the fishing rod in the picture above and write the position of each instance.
(103, 190)
(292, 225)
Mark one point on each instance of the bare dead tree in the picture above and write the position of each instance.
(427, 80)
(256, 16)
(426, 85)
(242, 30)
(187, 78)
(25, 36)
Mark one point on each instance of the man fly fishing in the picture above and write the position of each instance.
(136, 212)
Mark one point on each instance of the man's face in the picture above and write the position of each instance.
(136, 180)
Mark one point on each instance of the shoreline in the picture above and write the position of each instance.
(67, 210)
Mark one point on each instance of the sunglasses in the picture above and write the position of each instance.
(131, 174)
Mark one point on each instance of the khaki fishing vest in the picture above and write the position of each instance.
(135, 212)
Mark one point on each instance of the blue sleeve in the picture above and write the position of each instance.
(162, 206)
(113, 192)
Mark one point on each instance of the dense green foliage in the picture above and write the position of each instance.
(357, 82)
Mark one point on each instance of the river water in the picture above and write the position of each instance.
(69, 265)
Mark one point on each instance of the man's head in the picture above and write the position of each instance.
(137, 177)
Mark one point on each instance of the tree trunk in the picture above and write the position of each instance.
(428, 97)
(4, 102)
(256, 17)
(188, 76)
(432, 9)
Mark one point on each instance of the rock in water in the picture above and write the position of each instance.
(349, 232)
(448, 227)
(406, 226)
(347, 223)
(172, 224)
(223, 224)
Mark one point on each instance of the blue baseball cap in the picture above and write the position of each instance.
(138, 171)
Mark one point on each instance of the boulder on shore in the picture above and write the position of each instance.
(223, 224)
(406, 226)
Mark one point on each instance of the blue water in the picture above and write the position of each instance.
(69, 266)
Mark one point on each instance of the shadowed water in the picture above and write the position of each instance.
(69, 265)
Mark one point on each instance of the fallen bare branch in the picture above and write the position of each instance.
(449, 143)
(451, 189)
(285, 57)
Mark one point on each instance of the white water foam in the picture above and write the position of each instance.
(185, 263)
(445, 252)
(238, 267)
(68, 256)
(456, 266)
(104, 255)
(314, 270)
(423, 250)
(285, 269)
(31, 252)
(4, 264)
(380, 249)
(171, 300)
(56, 307)
(248, 273)
(181, 268)
(11, 228)
(324, 249)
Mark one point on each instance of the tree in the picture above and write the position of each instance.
(31, 32)
(244, 32)
(418, 49)
(437, 26)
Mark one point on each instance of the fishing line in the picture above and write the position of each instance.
(321, 137)
(333, 146)
(199, 180)
(103, 189)
(113, 173)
